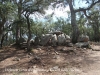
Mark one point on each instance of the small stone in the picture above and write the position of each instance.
(28, 56)
(84, 48)
(63, 49)
(56, 67)
(43, 64)
(49, 46)
(16, 59)
(75, 49)
(53, 53)
(37, 58)
(57, 53)
(70, 45)
(48, 53)
(34, 67)
(39, 49)
(55, 57)
(29, 53)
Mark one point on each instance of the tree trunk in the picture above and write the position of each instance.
(20, 32)
(17, 34)
(2, 39)
(75, 30)
(1, 25)
(29, 34)
(19, 16)
(0, 29)
(18, 26)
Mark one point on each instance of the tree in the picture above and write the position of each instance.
(73, 16)
(81, 21)
(94, 22)
(73, 11)
(30, 7)
(6, 9)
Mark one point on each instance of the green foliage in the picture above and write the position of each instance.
(63, 26)
(17, 10)
(5, 9)
(94, 21)
(67, 29)
(90, 26)
(38, 28)
(82, 24)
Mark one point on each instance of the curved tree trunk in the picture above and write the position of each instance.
(2, 39)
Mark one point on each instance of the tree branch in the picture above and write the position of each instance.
(84, 9)
(86, 14)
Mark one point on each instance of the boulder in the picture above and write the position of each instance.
(45, 38)
(23, 45)
(21, 40)
(61, 39)
(32, 42)
(57, 32)
(82, 44)
(36, 40)
(83, 38)
(69, 44)
(54, 40)
(67, 37)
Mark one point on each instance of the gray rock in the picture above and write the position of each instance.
(16, 59)
(36, 40)
(83, 38)
(21, 40)
(57, 32)
(45, 39)
(67, 37)
(54, 40)
(61, 39)
(37, 58)
(69, 44)
(82, 44)
(39, 49)
(63, 49)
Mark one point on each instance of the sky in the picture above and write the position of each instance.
(62, 12)
(59, 12)
(80, 3)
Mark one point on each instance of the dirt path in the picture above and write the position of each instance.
(59, 60)
(93, 67)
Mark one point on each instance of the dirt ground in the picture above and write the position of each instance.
(60, 60)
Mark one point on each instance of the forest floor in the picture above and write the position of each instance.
(60, 60)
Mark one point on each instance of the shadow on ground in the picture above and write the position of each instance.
(45, 57)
